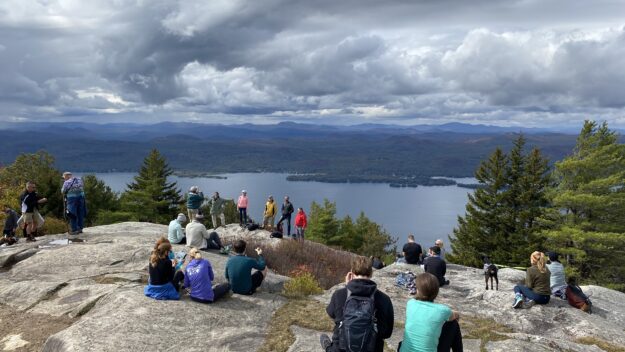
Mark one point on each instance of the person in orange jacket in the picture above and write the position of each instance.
(300, 224)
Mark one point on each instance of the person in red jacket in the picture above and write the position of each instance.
(300, 224)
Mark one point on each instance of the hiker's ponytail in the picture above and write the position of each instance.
(538, 259)
(195, 253)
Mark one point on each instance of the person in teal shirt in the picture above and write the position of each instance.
(430, 326)
(239, 270)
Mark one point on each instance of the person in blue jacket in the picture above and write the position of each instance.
(239, 270)
(195, 198)
(199, 278)
(162, 272)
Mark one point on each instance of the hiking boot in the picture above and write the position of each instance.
(325, 341)
(518, 301)
(529, 303)
(31, 239)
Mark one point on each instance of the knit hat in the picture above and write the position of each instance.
(181, 218)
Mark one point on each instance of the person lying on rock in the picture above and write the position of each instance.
(436, 265)
(536, 289)
(430, 326)
(199, 278)
(239, 270)
(162, 274)
(198, 236)
(362, 314)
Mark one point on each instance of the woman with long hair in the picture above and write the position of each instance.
(536, 289)
(162, 272)
(199, 278)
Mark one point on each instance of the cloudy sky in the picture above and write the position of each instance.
(503, 62)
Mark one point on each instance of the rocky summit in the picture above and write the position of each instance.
(88, 296)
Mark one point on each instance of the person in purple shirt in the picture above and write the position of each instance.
(199, 278)
(75, 207)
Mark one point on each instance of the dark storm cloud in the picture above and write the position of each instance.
(500, 62)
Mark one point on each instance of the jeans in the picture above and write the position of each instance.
(218, 292)
(213, 241)
(450, 338)
(242, 216)
(530, 294)
(221, 216)
(76, 211)
(299, 231)
(286, 217)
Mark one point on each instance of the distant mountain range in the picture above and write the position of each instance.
(361, 153)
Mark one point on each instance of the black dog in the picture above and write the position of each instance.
(490, 271)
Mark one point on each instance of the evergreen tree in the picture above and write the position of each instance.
(151, 197)
(323, 227)
(588, 225)
(373, 240)
(501, 217)
(479, 231)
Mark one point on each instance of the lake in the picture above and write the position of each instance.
(427, 212)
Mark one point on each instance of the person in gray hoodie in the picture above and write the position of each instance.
(557, 278)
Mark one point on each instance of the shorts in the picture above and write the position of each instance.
(29, 217)
(257, 280)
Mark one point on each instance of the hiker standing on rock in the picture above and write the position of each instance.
(216, 205)
(242, 207)
(269, 215)
(300, 224)
(75, 206)
(195, 198)
(30, 209)
(287, 211)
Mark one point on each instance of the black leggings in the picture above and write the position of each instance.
(213, 241)
(218, 292)
(450, 339)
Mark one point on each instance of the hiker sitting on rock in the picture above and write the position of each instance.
(430, 326)
(198, 236)
(162, 274)
(536, 289)
(436, 266)
(239, 270)
(175, 232)
(10, 226)
(362, 314)
(199, 278)
(557, 279)
(412, 251)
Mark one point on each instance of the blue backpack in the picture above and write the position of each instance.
(358, 330)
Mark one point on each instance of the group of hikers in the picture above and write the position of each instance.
(216, 206)
(31, 220)
(363, 314)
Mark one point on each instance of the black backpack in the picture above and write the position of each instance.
(276, 234)
(252, 227)
(358, 330)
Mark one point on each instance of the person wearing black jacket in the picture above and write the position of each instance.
(30, 209)
(359, 283)
(412, 251)
(287, 211)
(436, 266)
(10, 223)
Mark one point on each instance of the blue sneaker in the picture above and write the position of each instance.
(518, 301)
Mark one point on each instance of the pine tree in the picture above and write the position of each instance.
(479, 231)
(323, 227)
(501, 217)
(151, 197)
(589, 201)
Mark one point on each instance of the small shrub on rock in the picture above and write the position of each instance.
(302, 285)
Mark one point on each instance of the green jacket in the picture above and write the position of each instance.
(537, 281)
(239, 272)
(216, 205)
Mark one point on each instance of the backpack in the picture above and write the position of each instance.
(406, 281)
(252, 227)
(358, 330)
(276, 234)
(576, 298)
